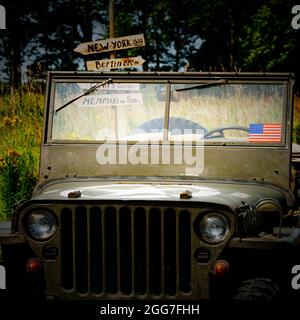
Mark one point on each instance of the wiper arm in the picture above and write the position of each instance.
(205, 85)
(85, 93)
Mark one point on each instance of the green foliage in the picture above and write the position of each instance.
(267, 43)
(20, 136)
(18, 177)
(296, 126)
(296, 133)
(206, 35)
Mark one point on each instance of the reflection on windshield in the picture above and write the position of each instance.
(111, 112)
(96, 86)
(232, 111)
(204, 85)
(216, 111)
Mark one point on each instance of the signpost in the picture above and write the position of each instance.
(112, 44)
(107, 64)
(111, 12)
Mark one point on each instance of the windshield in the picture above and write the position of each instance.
(219, 112)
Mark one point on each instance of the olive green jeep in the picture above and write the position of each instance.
(160, 186)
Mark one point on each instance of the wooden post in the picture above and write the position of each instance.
(112, 24)
(112, 56)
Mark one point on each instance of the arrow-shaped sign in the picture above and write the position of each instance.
(107, 64)
(111, 44)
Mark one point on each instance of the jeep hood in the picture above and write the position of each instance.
(229, 194)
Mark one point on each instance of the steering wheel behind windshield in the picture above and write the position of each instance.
(219, 132)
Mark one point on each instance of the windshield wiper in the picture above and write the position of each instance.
(205, 85)
(85, 93)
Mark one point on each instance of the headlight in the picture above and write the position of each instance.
(214, 228)
(41, 225)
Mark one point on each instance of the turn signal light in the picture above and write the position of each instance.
(220, 268)
(33, 265)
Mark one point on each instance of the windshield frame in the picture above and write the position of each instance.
(168, 79)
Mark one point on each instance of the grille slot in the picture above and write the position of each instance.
(81, 250)
(110, 252)
(154, 247)
(126, 251)
(170, 252)
(140, 259)
(184, 251)
(66, 249)
(96, 247)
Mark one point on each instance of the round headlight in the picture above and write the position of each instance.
(214, 228)
(41, 225)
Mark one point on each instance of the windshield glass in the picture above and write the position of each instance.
(247, 113)
(111, 112)
(236, 112)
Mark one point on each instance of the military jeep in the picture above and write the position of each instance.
(160, 186)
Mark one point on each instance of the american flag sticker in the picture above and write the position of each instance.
(270, 132)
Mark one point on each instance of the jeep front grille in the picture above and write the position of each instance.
(126, 251)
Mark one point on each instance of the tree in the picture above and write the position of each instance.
(206, 34)
(219, 23)
(165, 24)
(269, 42)
(21, 22)
(46, 32)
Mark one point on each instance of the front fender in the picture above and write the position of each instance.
(9, 237)
(14, 254)
(288, 238)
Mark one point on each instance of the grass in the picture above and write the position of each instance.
(296, 122)
(100, 122)
(217, 110)
(21, 116)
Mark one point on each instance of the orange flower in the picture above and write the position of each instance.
(7, 122)
(13, 153)
(15, 120)
(2, 163)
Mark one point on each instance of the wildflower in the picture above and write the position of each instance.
(15, 120)
(7, 122)
(13, 153)
(2, 163)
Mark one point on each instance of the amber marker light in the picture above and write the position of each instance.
(33, 265)
(220, 268)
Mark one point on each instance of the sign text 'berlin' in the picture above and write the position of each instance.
(108, 64)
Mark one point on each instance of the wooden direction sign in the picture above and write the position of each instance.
(111, 44)
(107, 64)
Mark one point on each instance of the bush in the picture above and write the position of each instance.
(296, 134)
(18, 177)
(21, 118)
(296, 128)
